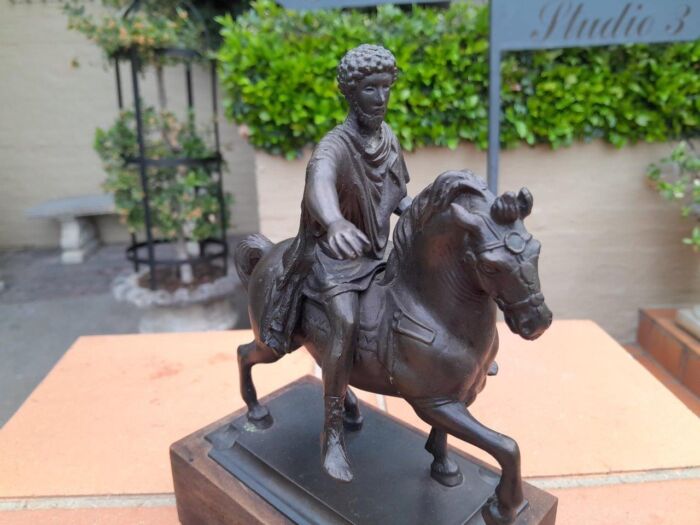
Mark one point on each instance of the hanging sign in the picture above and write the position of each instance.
(547, 24)
(310, 5)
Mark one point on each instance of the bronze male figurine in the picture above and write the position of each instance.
(420, 324)
(355, 179)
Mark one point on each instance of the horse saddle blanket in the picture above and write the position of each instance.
(382, 319)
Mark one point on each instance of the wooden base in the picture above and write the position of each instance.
(232, 472)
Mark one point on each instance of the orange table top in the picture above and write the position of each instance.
(94, 435)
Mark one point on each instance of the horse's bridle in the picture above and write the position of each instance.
(534, 299)
(515, 243)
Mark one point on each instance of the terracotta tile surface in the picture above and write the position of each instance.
(665, 503)
(119, 516)
(578, 403)
(103, 419)
(661, 503)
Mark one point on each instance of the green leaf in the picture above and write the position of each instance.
(521, 128)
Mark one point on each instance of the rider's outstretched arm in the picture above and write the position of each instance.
(343, 239)
(320, 193)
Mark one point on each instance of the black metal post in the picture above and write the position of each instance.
(220, 186)
(120, 99)
(494, 108)
(142, 166)
(134, 240)
(215, 106)
(188, 80)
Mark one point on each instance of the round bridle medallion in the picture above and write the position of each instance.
(515, 243)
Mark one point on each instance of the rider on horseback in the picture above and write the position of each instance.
(355, 179)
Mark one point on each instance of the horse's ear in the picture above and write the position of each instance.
(505, 208)
(525, 202)
(466, 220)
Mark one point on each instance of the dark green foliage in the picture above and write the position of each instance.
(278, 71)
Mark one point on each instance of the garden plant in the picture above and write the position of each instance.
(677, 178)
(183, 200)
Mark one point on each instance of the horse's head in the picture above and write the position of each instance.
(478, 242)
(501, 256)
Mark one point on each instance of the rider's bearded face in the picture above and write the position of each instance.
(371, 98)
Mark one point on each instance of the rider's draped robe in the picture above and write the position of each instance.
(370, 185)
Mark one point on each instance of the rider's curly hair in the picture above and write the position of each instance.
(361, 62)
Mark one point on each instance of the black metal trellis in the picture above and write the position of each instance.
(144, 252)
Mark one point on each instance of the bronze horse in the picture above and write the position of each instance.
(428, 324)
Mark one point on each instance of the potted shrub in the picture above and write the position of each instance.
(163, 172)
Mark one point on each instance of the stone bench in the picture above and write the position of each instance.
(75, 214)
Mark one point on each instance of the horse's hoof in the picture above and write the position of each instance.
(352, 423)
(446, 473)
(495, 514)
(260, 417)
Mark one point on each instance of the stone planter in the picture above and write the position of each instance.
(207, 307)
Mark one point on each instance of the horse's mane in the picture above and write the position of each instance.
(434, 199)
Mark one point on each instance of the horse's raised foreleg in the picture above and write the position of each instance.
(352, 419)
(248, 355)
(443, 469)
(456, 420)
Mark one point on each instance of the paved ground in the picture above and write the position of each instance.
(45, 306)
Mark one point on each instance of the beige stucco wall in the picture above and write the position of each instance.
(48, 114)
(610, 243)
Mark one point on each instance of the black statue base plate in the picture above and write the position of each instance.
(392, 483)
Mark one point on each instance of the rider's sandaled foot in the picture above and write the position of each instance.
(335, 460)
(335, 463)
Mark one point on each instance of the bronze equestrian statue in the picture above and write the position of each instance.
(420, 324)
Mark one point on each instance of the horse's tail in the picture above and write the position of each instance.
(248, 253)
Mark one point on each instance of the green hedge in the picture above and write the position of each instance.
(278, 72)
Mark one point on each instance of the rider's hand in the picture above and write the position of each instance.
(345, 240)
